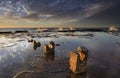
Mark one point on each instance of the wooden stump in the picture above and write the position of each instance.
(78, 62)
(49, 49)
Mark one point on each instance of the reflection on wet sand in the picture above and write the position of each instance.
(114, 33)
(84, 75)
(50, 57)
(49, 51)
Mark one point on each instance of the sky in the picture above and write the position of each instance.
(59, 13)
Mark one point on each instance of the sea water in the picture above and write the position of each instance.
(16, 53)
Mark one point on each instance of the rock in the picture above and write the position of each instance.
(78, 61)
(57, 44)
(30, 40)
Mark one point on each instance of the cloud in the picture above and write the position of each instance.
(60, 11)
(37, 16)
(71, 20)
(70, 10)
(59, 8)
(94, 9)
(54, 9)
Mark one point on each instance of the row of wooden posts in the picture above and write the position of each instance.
(77, 61)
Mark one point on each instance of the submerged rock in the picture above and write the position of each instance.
(30, 40)
(57, 44)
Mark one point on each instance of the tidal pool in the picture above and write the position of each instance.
(17, 54)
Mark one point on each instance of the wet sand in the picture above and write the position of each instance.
(46, 68)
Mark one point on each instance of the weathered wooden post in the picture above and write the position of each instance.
(36, 44)
(52, 44)
(46, 48)
(49, 48)
(78, 61)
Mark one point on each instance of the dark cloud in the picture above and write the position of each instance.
(77, 11)
(64, 9)
(57, 7)
(107, 17)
